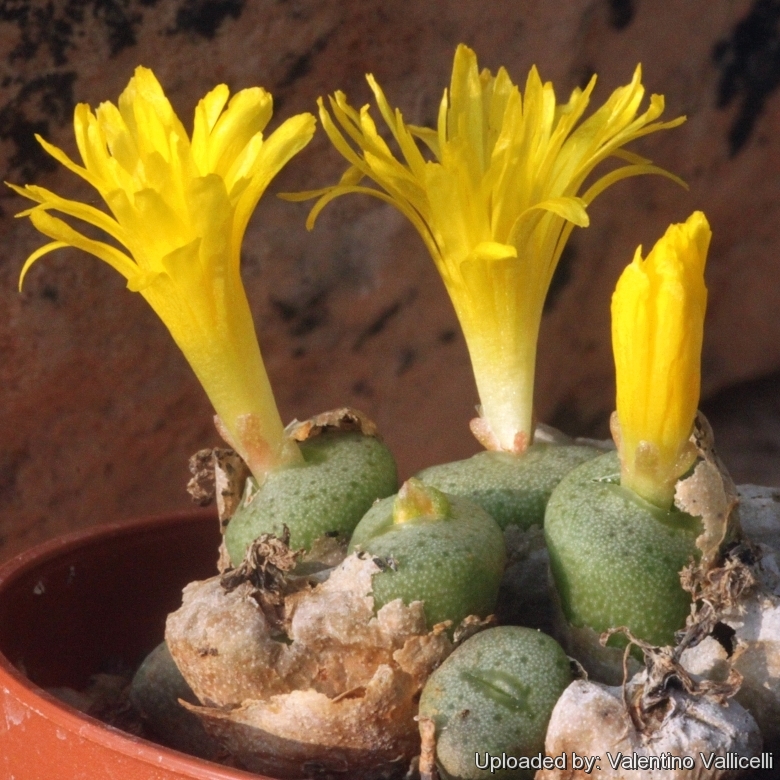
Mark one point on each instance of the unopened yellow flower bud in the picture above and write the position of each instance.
(494, 197)
(179, 208)
(657, 328)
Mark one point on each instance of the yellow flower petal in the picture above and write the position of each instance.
(507, 171)
(72, 208)
(247, 114)
(62, 232)
(63, 159)
(44, 250)
(207, 113)
(657, 328)
(492, 250)
(278, 149)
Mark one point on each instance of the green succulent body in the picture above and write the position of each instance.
(341, 477)
(155, 692)
(495, 695)
(615, 557)
(453, 563)
(512, 489)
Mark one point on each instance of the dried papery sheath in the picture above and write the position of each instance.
(320, 682)
(759, 509)
(743, 595)
(683, 737)
(709, 493)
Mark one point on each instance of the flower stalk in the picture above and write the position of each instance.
(657, 329)
(179, 208)
(494, 195)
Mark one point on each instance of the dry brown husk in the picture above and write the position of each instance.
(309, 681)
(709, 494)
(591, 719)
(661, 711)
(741, 599)
(342, 419)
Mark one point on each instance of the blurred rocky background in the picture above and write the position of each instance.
(98, 410)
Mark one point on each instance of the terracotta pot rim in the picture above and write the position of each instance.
(45, 551)
(13, 684)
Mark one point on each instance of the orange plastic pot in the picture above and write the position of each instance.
(67, 607)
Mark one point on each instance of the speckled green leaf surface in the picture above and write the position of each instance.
(454, 564)
(616, 558)
(513, 490)
(494, 695)
(342, 475)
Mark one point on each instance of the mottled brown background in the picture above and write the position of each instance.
(98, 410)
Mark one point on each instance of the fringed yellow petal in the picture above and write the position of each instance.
(63, 159)
(49, 200)
(30, 192)
(244, 166)
(122, 147)
(180, 208)
(105, 171)
(429, 137)
(626, 172)
(400, 131)
(247, 114)
(335, 135)
(207, 113)
(278, 149)
(657, 328)
(61, 231)
(404, 208)
(630, 157)
(571, 209)
(349, 178)
(44, 250)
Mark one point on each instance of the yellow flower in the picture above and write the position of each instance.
(180, 208)
(657, 328)
(494, 206)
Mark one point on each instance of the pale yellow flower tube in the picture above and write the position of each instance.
(179, 208)
(494, 198)
(657, 328)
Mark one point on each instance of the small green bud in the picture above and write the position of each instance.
(415, 500)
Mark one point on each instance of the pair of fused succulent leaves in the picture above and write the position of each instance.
(494, 196)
